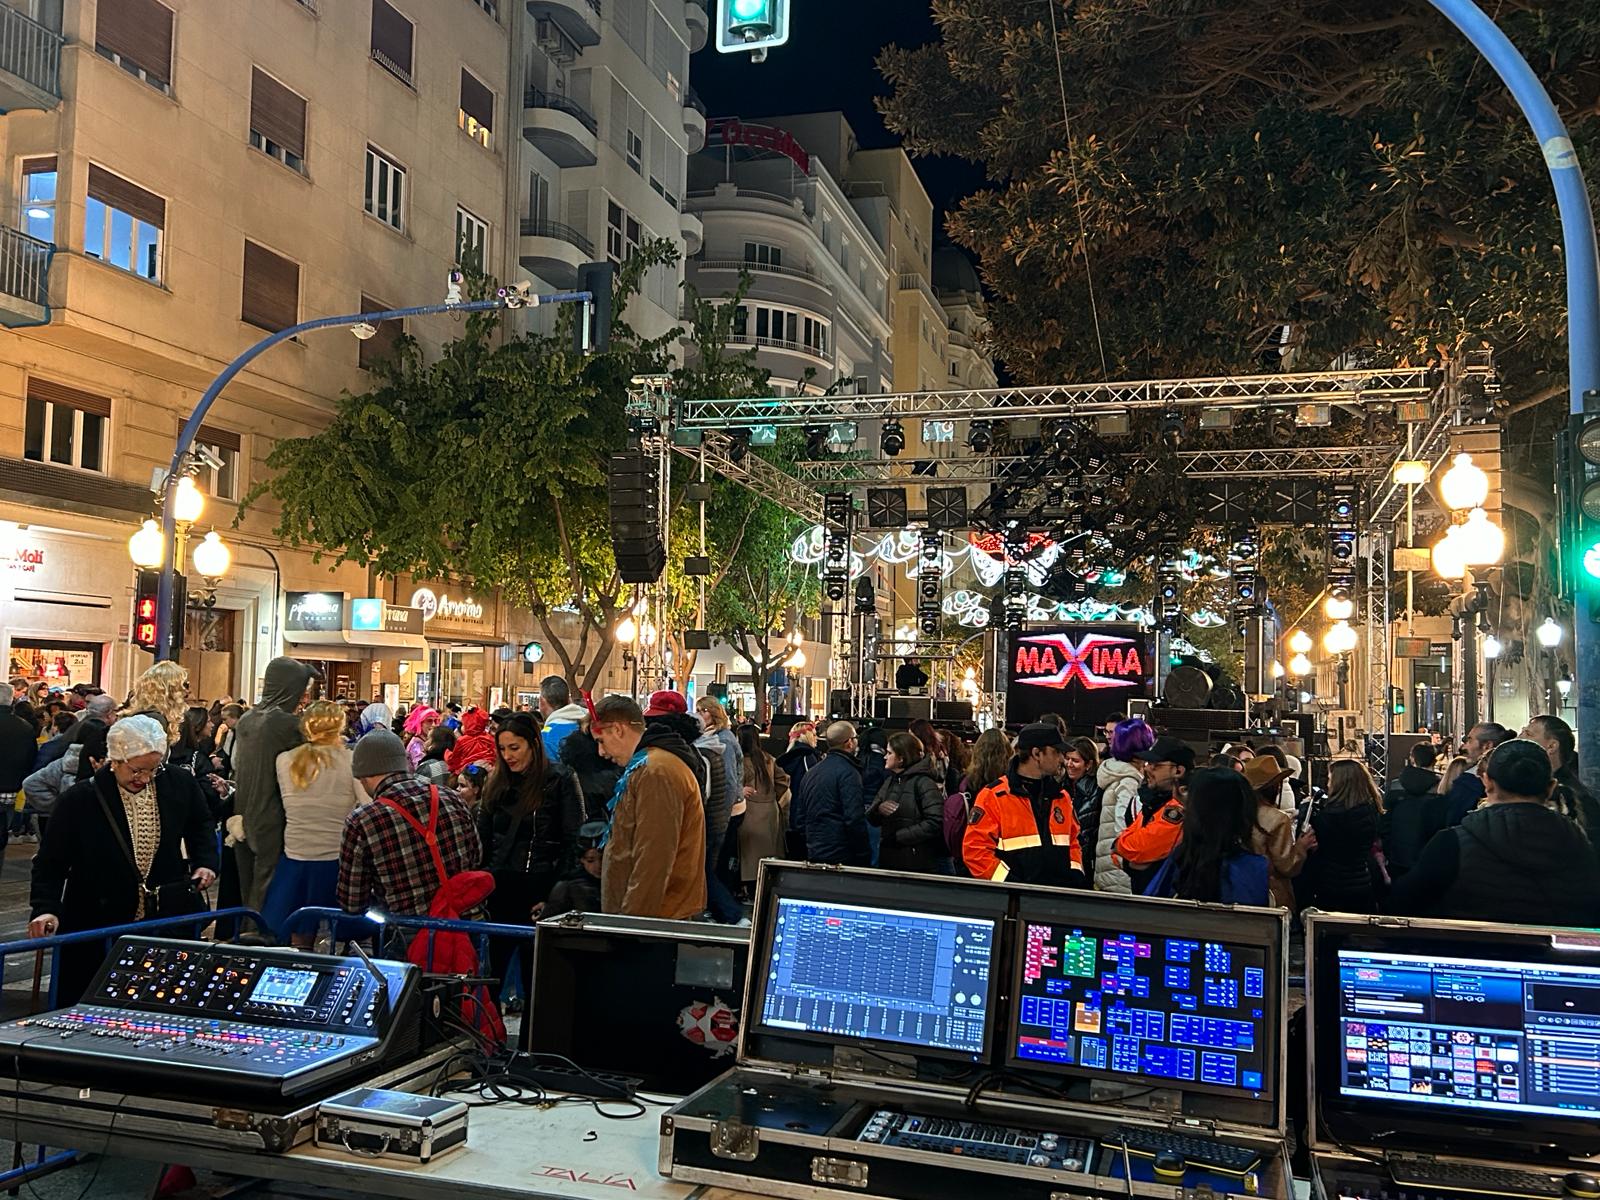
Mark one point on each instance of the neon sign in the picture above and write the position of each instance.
(1097, 661)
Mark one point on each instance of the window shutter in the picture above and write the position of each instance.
(276, 113)
(618, 122)
(39, 166)
(477, 101)
(210, 435)
(271, 289)
(391, 34)
(68, 397)
(139, 31)
(382, 344)
(129, 197)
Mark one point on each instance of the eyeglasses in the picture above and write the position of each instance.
(140, 772)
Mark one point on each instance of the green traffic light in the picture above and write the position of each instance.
(1591, 560)
(751, 10)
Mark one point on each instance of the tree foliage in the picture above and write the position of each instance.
(1351, 168)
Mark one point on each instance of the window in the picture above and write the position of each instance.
(815, 334)
(635, 151)
(763, 254)
(476, 117)
(472, 239)
(622, 233)
(381, 345)
(122, 224)
(66, 426)
(137, 36)
(39, 198)
(221, 482)
(954, 371)
(271, 289)
(392, 36)
(277, 120)
(386, 181)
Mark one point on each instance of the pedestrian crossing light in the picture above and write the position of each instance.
(752, 26)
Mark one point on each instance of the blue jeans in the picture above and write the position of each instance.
(724, 907)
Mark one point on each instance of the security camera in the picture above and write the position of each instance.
(364, 330)
(452, 291)
(207, 457)
(518, 295)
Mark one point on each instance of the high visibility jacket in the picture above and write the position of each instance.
(1152, 836)
(1008, 838)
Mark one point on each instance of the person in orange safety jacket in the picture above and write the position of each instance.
(1143, 846)
(1023, 828)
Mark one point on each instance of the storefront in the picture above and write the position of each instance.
(64, 607)
(462, 629)
(356, 644)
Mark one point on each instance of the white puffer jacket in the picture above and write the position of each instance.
(1119, 795)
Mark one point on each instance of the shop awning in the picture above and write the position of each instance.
(390, 645)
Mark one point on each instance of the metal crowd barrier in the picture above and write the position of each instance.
(390, 929)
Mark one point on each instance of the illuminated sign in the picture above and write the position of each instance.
(1097, 661)
(730, 131)
(366, 613)
(994, 544)
(315, 612)
(145, 606)
(443, 607)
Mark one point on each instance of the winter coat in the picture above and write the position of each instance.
(828, 812)
(451, 952)
(1273, 838)
(1244, 880)
(766, 816)
(1403, 827)
(262, 734)
(1448, 811)
(1518, 863)
(559, 726)
(18, 747)
(46, 786)
(597, 777)
(732, 756)
(51, 750)
(913, 835)
(957, 811)
(655, 859)
(680, 734)
(1086, 806)
(474, 745)
(1342, 876)
(797, 760)
(528, 852)
(1119, 804)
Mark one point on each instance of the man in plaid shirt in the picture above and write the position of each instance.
(384, 861)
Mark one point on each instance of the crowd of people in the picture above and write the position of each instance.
(667, 809)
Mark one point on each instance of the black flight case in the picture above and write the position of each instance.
(912, 1037)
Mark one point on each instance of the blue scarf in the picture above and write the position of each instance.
(616, 793)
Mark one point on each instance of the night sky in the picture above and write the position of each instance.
(826, 65)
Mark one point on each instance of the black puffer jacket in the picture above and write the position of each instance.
(597, 777)
(1404, 825)
(676, 733)
(541, 844)
(913, 835)
(1341, 872)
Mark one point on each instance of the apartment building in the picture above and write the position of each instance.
(186, 176)
(608, 123)
(955, 282)
(771, 203)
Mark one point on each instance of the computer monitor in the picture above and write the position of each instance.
(1145, 1001)
(879, 972)
(1521, 1038)
(1448, 1033)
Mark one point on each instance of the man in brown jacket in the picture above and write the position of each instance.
(655, 850)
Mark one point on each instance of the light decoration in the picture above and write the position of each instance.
(1464, 485)
(1340, 638)
(188, 502)
(1299, 666)
(211, 557)
(1300, 642)
(1548, 633)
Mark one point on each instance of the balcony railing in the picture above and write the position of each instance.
(910, 281)
(25, 267)
(691, 99)
(30, 51)
(752, 339)
(535, 98)
(739, 264)
(555, 229)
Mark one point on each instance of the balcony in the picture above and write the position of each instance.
(553, 251)
(910, 281)
(693, 232)
(30, 63)
(740, 264)
(560, 128)
(694, 16)
(24, 278)
(694, 121)
(772, 343)
(578, 19)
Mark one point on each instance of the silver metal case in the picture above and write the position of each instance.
(376, 1123)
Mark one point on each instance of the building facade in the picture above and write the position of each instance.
(955, 281)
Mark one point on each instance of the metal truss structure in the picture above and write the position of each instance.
(1075, 399)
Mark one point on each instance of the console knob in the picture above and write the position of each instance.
(1040, 1160)
(1071, 1164)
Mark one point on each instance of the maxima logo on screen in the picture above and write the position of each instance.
(442, 606)
(1097, 661)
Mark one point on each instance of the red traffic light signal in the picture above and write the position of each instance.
(145, 607)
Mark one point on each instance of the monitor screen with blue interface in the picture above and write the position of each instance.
(1518, 1037)
(1194, 1013)
(878, 974)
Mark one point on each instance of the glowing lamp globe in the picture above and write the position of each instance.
(211, 557)
(797, 660)
(188, 502)
(1449, 555)
(147, 547)
(1492, 647)
(1548, 633)
(1339, 608)
(1300, 642)
(627, 630)
(1464, 485)
(1277, 669)
(1483, 543)
(1340, 639)
(1299, 666)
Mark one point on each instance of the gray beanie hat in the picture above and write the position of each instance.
(379, 753)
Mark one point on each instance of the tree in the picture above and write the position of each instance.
(1351, 169)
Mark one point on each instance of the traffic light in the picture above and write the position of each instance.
(751, 26)
(591, 332)
(1583, 499)
(144, 610)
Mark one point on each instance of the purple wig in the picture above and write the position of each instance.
(1130, 737)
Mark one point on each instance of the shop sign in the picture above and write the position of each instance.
(730, 131)
(445, 607)
(533, 652)
(25, 560)
(373, 614)
(1083, 672)
(315, 612)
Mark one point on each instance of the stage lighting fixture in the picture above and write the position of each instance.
(886, 508)
(1063, 435)
(738, 445)
(925, 468)
(1113, 424)
(1216, 418)
(892, 439)
(842, 435)
(938, 431)
(763, 435)
(1281, 426)
(866, 599)
(980, 437)
(816, 440)
(947, 507)
(1172, 428)
(1315, 414)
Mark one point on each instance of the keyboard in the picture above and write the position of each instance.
(1466, 1177)
(1197, 1152)
(978, 1139)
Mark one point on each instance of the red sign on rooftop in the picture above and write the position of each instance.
(730, 131)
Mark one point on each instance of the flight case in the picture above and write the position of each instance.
(804, 1114)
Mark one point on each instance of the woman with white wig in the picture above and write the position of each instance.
(130, 843)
